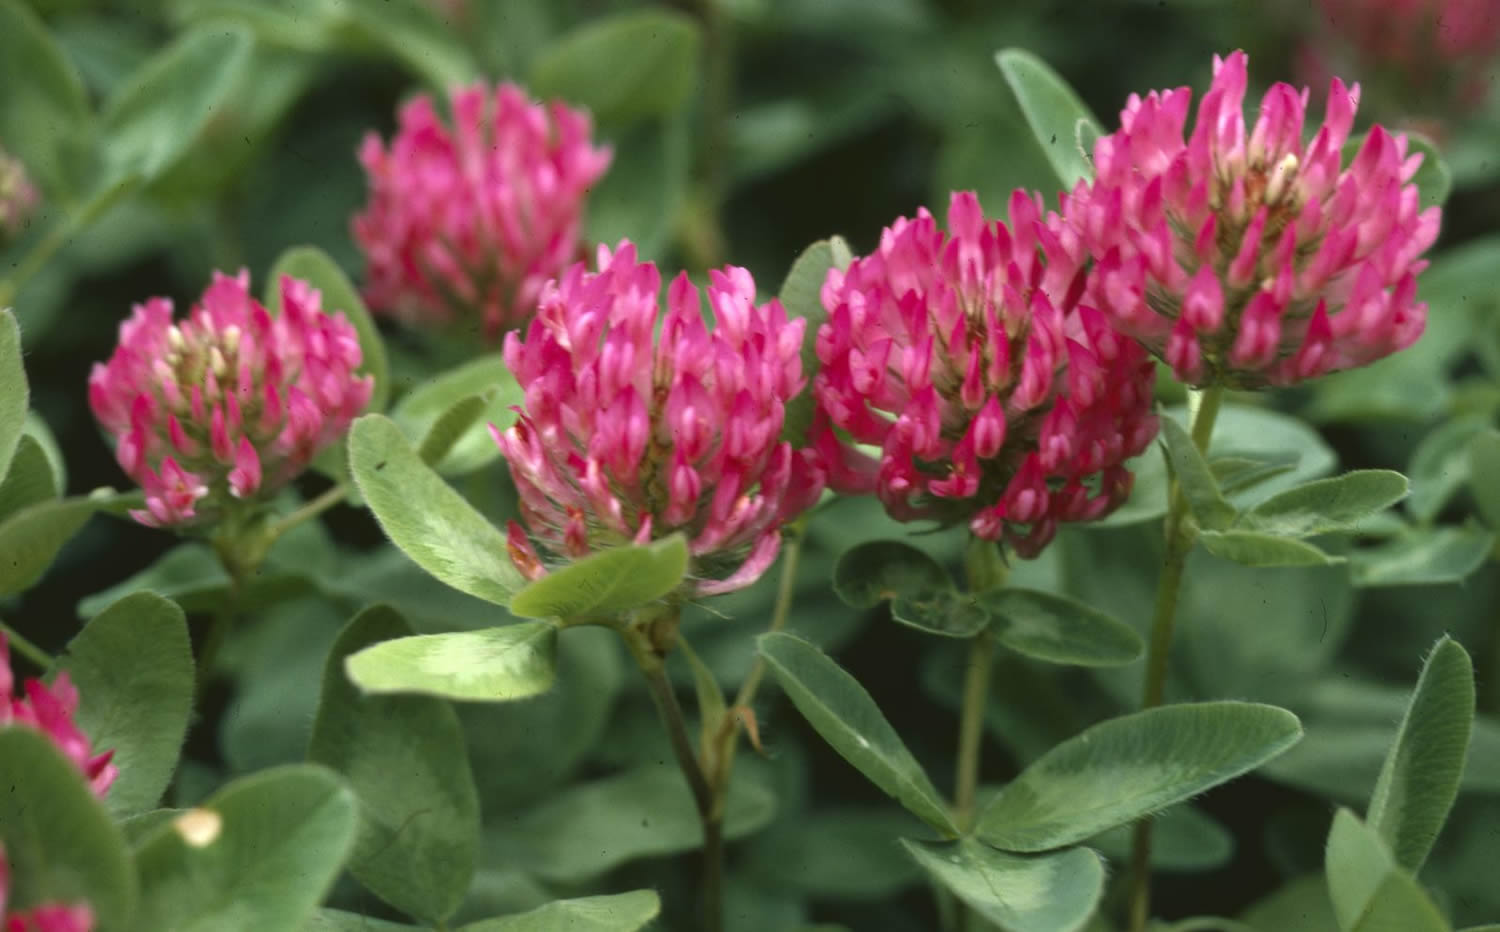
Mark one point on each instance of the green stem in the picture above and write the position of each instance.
(33, 261)
(25, 648)
(1179, 539)
(308, 511)
(651, 660)
(971, 726)
(786, 588)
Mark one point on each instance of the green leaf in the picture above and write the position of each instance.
(1040, 893)
(404, 758)
(191, 575)
(157, 115)
(608, 583)
(1484, 475)
(1327, 505)
(1205, 500)
(1440, 466)
(1253, 548)
(845, 852)
(1370, 892)
(260, 854)
(59, 840)
(1300, 906)
(950, 614)
(1420, 778)
(645, 191)
(1129, 767)
(1058, 119)
(622, 912)
(423, 516)
(1242, 472)
(31, 537)
(133, 666)
(1184, 839)
(336, 920)
(801, 295)
(14, 392)
(450, 427)
(590, 828)
(1434, 180)
(315, 267)
(1422, 556)
(624, 67)
(41, 126)
(493, 665)
(412, 32)
(840, 710)
(873, 572)
(30, 481)
(711, 706)
(419, 411)
(1060, 630)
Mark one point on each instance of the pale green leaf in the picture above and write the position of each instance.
(622, 912)
(1187, 464)
(1327, 505)
(1059, 120)
(1254, 548)
(492, 665)
(1370, 892)
(1021, 893)
(608, 583)
(624, 67)
(339, 297)
(1422, 557)
(420, 410)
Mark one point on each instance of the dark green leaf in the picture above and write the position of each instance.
(1420, 778)
(879, 570)
(1252, 548)
(1183, 839)
(1327, 505)
(1197, 481)
(133, 666)
(1060, 630)
(153, 119)
(1039, 893)
(336, 920)
(842, 712)
(423, 516)
(14, 391)
(30, 480)
(589, 828)
(623, 67)
(191, 575)
(622, 912)
(1129, 767)
(412, 32)
(31, 538)
(950, 614)
(46, 112)
(1440, 466)
(1484, 475)
(1422, 556)
(711, 706)
(59, 840)
(1059, 120)
(608, 583)
(404, 758)
(842, 852)
(801, 296)
(643, 195)
(493, 665)
(314, 266)
(1370, 892)
(260, 854)
(420, 410)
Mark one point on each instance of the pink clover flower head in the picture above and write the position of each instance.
(466, 223)
(50, 710)
(18, 198)
(995, 397)
(1245, 256)
(230, 403)
(638, 424)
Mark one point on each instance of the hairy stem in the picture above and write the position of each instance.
(651, 660)
(786, 588)
(971, 726)
(308, 511)
(26, 648)
(1179, 537)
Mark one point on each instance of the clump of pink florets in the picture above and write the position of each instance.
(229, 404)
(465, 224)
(50, 710)
(48, 917)
(629, 434)
(994, 396)
(1246, 257)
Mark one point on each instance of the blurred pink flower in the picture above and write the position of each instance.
(629, 436)
(1423, 40)
(1248, 258)
(50, 710)
(996, 397)
(18, 198)
(48, 917)
(466, 225)
(230, 404)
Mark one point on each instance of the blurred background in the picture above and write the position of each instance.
(743, 131)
